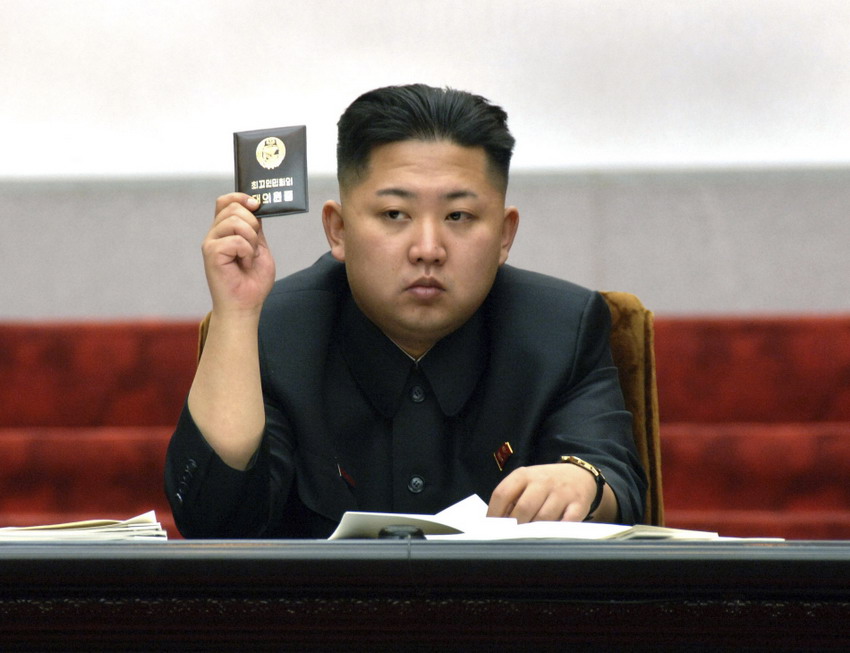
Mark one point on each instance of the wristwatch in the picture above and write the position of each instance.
(600, 480)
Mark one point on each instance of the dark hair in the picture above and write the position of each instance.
(420, 112)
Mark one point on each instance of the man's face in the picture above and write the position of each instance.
(422, 233)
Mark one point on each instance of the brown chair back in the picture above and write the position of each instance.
(633, 349)
(203, 328)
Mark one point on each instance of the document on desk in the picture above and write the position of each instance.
(467, 520)
(143, 527)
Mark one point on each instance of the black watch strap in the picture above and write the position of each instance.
(600, 481)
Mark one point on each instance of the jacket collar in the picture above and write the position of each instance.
(452, 366)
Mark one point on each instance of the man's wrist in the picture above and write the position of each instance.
(598, 477)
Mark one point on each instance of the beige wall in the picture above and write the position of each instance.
(745, 241)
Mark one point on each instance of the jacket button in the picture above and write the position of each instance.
(416, 484)
(188, 471)
(417, 394)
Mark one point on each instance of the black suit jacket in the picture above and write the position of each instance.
(547, 385)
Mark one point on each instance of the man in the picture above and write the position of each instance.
(409, 367)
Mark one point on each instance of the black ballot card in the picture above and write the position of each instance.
(271, 166)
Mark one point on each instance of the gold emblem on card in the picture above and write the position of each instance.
(270, 152)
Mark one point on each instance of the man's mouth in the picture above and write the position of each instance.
(426, 288)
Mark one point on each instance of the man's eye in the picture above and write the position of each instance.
(458, 216)
(393, 215)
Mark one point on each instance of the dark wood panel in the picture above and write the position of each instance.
(382, 595)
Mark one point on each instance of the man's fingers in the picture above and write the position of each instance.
(499, 501)
(231, 240)
(236, 226)
(261, 237)
(240, 199)
(225, 250)
(552, 509)
(528, 504)
(504, 497)
(552, 492)
(575, 511)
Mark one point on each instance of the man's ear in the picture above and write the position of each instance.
(334, 226)
(509, 227)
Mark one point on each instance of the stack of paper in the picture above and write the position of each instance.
(467, 520)
(142, 527)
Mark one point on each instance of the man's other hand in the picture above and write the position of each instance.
(556, 492)
(239, 267)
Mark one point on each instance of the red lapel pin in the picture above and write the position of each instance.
(502, 454)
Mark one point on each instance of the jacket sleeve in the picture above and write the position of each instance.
(586, 415)
(210, 499)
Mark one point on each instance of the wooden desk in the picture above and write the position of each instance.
(399, 595)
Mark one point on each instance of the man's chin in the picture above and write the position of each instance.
(429, 332)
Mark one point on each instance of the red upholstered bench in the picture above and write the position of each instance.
(755, 421)
(755, 426)
(86, 410)
(58, 474)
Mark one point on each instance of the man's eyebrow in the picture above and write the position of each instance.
(397, 192)
(407, 194)
(460, 194)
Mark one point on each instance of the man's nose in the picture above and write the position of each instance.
(428, 244)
